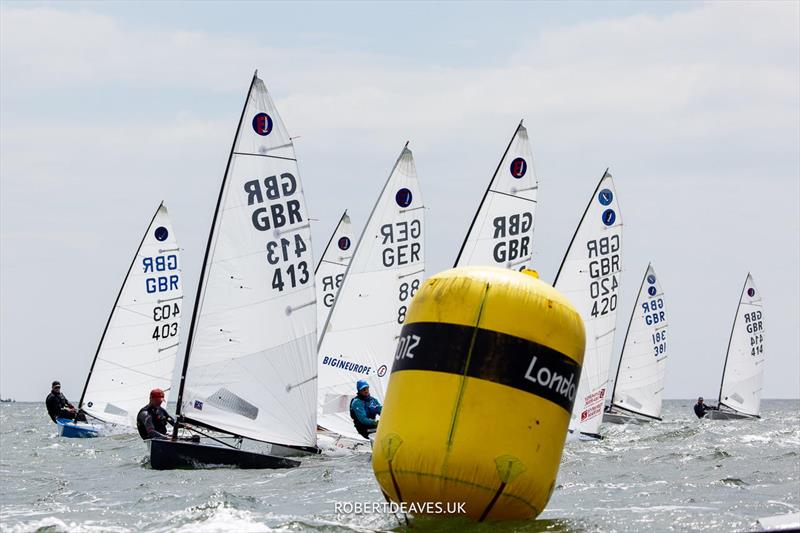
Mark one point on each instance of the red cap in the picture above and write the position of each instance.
(157, 393)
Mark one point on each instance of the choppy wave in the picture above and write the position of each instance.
(679, 474)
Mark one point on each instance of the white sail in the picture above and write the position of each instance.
(589, 276)
(744, 364)
(138, 348)
(386, 270)
(643, 362)
(501, 233)
(251, 355)
(331, 268)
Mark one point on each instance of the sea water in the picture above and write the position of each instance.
(677, 475)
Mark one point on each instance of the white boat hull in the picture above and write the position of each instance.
(780, 522)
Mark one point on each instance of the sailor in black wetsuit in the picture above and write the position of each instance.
(152, 419)
(59, 407)
(700, 408)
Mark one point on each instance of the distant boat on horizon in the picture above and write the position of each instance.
(8, 400)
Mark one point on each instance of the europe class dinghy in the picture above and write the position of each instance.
(589, 276)
(139, 344)
(331, 268)
(250, 362)
(740, 391)
(501, 233)
(639, 383)
(388, 264)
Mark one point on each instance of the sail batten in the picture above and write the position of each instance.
(139, 345)
(253, 334)
(589, 275)
(387, 267)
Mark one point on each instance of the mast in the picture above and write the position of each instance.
(580, 223)
(325, 251)
(627, 331)
(111, 314)
(486, 193)
(199, 295)
(358, 244)
(730, 339)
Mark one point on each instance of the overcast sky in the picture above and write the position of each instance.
(107, 109)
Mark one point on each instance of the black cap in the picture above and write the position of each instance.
(56, 383)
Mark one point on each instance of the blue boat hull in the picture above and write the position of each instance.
(72, 430)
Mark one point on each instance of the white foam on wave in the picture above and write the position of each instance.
(55, 525)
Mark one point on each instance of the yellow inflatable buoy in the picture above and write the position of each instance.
(480, 396)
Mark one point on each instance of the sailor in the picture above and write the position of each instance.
(59, 407)
(152, 419)
(700, 408)
(363, 410)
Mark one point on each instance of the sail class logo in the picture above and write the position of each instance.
(651, 291)
(344, 243)
(605, 197)
(262, 124)
(651, 279)
(518, 167)
(403, 197)
(609, 216)
(161, 233)
(751, 292)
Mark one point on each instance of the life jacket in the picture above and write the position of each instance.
(361, 428)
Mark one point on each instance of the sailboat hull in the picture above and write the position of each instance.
(620, 418)
(169, 455)
(73, 430)
(727, 415)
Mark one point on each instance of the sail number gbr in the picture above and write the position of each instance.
(755, 327)
(603, 270)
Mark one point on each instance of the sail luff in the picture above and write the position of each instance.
(204, 268)
(330, 240)
(116, 301)
(730, 338)
(360, 237)
(577, 229)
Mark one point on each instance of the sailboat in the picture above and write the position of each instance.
(589, 276)
(740, 391)
(388, 264)
(331, 268)
(250, 364)
(501, 234)
(139, 344)
(639, 383)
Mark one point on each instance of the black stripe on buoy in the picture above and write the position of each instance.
(493, 356)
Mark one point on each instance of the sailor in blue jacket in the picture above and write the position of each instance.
(363, 409)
